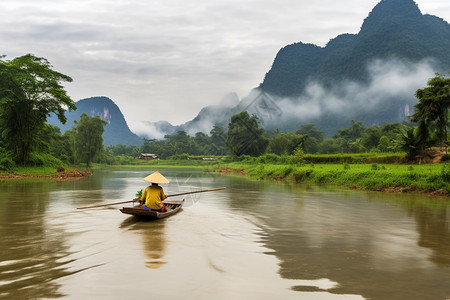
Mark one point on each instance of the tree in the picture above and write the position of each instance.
(311, 131)
(88, 137)
(218, 139)
(384, 144)
(29, 91)
(409, 142)
(286, 143)
(432, 111)
(245, 136)
(371, 137)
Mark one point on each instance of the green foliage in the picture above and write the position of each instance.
(29, 91)
(6, 164)
(355, 158)
(123, 159)
(384, 144)
(409, 142)
(445, 172)
(298, 156)
(139, 193)
(422, 177)
(285, 143)
(43, 159)
(445, 158)
(245, 136)
(88, 137)
(183, 156)
(269, 158)
(433, 108)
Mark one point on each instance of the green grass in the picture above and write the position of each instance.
(426, 178)
(370, 175)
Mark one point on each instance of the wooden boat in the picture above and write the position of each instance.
(172, 208)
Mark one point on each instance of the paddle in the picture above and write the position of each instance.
(114, 203)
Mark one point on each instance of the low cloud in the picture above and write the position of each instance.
(390, 82)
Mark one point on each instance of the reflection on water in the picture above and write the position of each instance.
(367, 242)
(434, 233)
(153, 239)
(32, 256)
(254, 240)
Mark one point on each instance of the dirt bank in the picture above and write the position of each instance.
(63, 175)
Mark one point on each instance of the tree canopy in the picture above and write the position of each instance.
(88, 136)
(245, 137)
(29, 91)
(431, 113)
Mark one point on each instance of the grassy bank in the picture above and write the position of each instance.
(389, 177)
(428, 178)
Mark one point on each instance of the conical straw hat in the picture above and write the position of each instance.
(156, 178)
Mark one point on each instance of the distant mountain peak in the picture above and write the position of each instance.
(116, 131)
(391, 11)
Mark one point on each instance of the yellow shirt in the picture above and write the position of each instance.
(153, 196)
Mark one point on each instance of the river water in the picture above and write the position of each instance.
(254, 240)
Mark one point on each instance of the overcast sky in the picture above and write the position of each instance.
(166, 59)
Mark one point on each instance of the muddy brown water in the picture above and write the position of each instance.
(254, 240)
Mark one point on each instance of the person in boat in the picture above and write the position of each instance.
(153, 195)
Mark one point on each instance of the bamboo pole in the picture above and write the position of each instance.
(114, 203)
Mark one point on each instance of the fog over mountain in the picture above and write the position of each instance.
(371, 76)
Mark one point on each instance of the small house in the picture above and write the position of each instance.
(148, 156)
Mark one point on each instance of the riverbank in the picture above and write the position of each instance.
(44, 173)
(432, 179)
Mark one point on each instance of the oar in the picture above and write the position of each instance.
(114, 203)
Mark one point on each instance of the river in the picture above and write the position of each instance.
(253, 240)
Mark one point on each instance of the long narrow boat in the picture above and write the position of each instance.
(172, 208)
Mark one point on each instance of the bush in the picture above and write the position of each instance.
(6, 164)
(300, 174)
(299, 156)
(43, 159)
(247, 158)
(269, 158)
(124, 160)
(445, 172)
(183, 156)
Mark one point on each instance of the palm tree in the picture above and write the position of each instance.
(409, 142)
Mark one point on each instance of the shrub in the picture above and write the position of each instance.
(298, 156)
(6, 164)
(287, 171)
(445, 172)
(300, 174)
(269, 158)
(43, 159)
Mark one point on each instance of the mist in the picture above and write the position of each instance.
(392, 85)
(387, 96)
